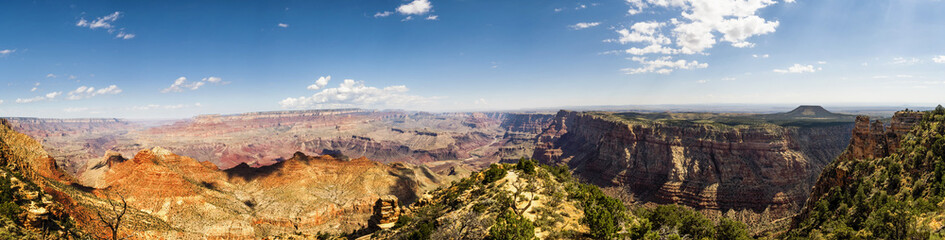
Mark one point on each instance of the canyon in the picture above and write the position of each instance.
(468, 140)
(305, 173)
(756, 168)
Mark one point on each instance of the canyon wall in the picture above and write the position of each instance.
(758, 168)
(870, 140)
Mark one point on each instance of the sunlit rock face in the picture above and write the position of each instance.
(760, 168)
(265, 138)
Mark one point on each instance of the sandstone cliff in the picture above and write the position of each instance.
(889, 184)
(762, 168)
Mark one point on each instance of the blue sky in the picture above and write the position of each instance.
(164, 59)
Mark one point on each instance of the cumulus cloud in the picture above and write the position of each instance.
(107, 23)
(5, 52)
(383, 14)
(798, 68)
(87, 92)
(351, 93)
(181, 84)
(700, 25)
(282, 25)
(50, 75)
(416, 7)
(663, 65)
(583, 25)
(321, 82)
(636, 6)
(939, 59)
(433, 17)
(48, 96)
(760, 56)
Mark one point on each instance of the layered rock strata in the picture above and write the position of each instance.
(746, 167)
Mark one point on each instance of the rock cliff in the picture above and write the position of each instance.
(756, 167)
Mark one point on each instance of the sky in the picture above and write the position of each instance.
(177, 59)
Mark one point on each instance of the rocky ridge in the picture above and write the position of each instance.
(171, 196)
(763, 170)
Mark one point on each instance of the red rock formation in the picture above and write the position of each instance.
(875, 140)
(756, 168)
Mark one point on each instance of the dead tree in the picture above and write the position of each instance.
(525, 185)
(112, 219)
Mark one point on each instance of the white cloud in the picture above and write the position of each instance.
(433, 17)
(408, 18)
(87, 92)
(728, 79)
(789, 1)
(1, 101)
(106, 22)
(703, 81)
(211, 79)
(416, 7)
(663, 65)
(50, 75)
(581, 6)
(181, 84)
(321, 82)
(700, 25)
(53, 95)
(559, 9)
(583, 25)
(125, 36)
(798, 68)
(35, 87)
(821, 62)
(905, 61)
(48, 96)
(351, 93)
(383, 14)
(102, 22)
(481, 101)
(5, 52)
(282, 25)
(939, 59)
(760, 56)
(636, 6)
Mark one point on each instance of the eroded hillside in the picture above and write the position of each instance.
(889, 184)
(171, 196)
(531, 201)
(468, 140)
(755, 168)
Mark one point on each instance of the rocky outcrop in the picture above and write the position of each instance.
(869, 140)
(386, 212)
(876, 140)
(760, 168)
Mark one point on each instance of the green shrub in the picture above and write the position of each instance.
(511, 226)
(527, 166)
(494, 173)
(731, 230)
(10, 210)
